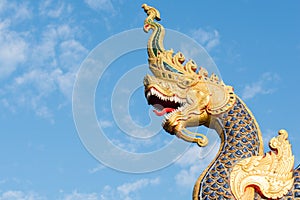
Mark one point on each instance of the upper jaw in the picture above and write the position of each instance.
(153, 91)
(164, 104)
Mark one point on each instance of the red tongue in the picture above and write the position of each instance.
(164, 111)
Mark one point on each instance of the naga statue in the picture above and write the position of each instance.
(188, 96)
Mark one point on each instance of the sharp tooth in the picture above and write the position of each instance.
(176, 100)
(167, 116)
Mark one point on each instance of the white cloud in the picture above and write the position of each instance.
(193, 162)
(188, 177)
(71, 50)
(106, 123)
(43, 81)
(100, 5)
(54, 9)
(126, 189)
(13, 49)
(45, 62)
(20, 11)
(261, 86)
(126, 146)
(81, 196)
(20, 195)
(57, 47)
(2, 5)
(59, 50)
(191, 156)
(251, 90)
(207, 38)
(96, 169)
(32, 88)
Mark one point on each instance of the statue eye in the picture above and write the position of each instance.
(186, 82)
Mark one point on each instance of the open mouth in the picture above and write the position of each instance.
(164, 105)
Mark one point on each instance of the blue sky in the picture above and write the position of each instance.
(254, 44)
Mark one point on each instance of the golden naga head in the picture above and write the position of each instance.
(181, 91)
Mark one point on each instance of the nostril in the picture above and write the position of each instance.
(147, 80)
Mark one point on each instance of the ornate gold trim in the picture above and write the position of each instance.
(272, 173)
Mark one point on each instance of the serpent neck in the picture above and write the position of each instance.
(240, 138)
